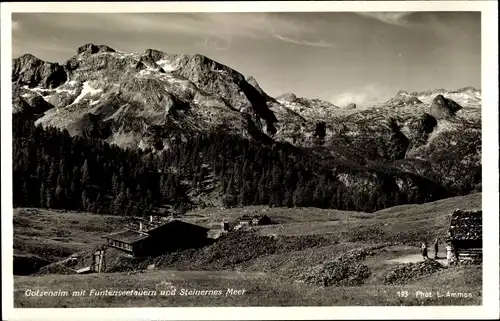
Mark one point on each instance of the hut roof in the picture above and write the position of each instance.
(127, 236)
(245, 218)
(178, 224)
(466, 225)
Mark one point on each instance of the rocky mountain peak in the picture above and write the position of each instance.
(288, 97)
(429, 92)
(252, 81)
(403, 99)
(90, 49)
(217, 79)
(28, 70)
(469, 90)
(153, 54)
(27, 57)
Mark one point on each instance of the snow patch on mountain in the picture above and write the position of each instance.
(86, 90)
(72, 83)
(42, 92)
(466, 97)
(312, 109)
(167, 64)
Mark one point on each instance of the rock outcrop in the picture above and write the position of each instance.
(288, 97)
(30, 71)
(89, 49)
(252, 81)
(222, 81)
(442, 107)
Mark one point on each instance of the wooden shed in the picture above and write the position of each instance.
(466, 235)
(261, 220)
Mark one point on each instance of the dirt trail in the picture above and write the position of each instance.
(414, 258)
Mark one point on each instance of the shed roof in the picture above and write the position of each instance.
(466, 225)
(127, 236)
(179, 226)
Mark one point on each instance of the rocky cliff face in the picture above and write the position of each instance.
(252, 81)
(222, 81)
(30, 71)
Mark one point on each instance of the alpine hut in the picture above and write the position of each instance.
(156, 239)
(466, 235)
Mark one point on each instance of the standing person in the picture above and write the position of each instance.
(449, 252)
(423, 249)
(436, 241)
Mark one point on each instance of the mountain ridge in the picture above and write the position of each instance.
(149, 99)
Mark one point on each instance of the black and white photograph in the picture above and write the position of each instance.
(246, 159)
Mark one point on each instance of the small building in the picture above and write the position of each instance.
(155, 240)
(261, 220)
(245, 220)
(228, 225)
(466, 235)
(129, 241)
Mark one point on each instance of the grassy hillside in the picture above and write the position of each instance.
(54, 235)
(260, 290)
(358, 249)
(406, 224)
(57, 234)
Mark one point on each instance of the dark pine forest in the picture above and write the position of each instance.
(52, 169)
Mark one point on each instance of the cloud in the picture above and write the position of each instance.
(217, 25)
(209, 31)
(365, 96)
(214, 43)
(301, 42)
(393, 18)
(283, 28)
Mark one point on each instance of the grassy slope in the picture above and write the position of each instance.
(54, 235)
(265, 277)
(260, 290)
(71, 232)
(407, 224)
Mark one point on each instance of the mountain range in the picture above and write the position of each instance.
(148, 100)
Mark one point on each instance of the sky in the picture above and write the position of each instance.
(340, 57)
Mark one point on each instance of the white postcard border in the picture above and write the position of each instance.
(490, 308)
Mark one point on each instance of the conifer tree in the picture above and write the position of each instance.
(43, 196)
